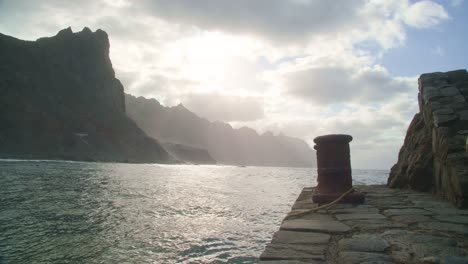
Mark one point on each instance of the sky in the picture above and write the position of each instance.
(301, 67)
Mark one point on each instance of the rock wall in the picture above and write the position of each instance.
(60, 100)
(434, 156)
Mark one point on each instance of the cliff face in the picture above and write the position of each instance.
(61, 100)
(226, 145)
(189, 154)
(434, 156)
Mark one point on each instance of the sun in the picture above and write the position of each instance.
(211, 58)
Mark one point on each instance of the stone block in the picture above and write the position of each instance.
(443, 120)
(410, 219)
(293, 252)
(444, 111)
(463, 89)
(457, 76)
(292, 237)
(430, 94)
(463, 115)
(355, 216)
(458, 99)
(331, 227)
(448, 211)
(457, 106)
(411, 211)
(449, 91)
(444, 227)
(372, 225)
(363, 243)
(363, 257)
(308, 261)
(455, 219)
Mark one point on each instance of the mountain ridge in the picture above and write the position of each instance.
(227, 145)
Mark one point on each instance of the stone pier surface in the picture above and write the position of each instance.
(392, 226)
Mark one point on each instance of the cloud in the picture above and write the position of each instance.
(224, 107)
(299, 22)
(338, 84)
(278, 20)
(302, 67)
(424, 14)
(378, 131)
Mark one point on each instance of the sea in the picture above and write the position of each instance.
(88, 212)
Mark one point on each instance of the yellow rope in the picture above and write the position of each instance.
(296, 215)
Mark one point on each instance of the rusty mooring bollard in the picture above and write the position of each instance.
(334, 170)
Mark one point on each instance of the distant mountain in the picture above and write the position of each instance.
(226, 145)
(60, 100)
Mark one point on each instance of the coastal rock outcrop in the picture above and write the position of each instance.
(60, 100)
(243, 146)
(189, 154)
(434, 156)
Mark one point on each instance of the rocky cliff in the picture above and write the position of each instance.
(434, 156)
(189, 154)
(60, 100)
(225, 144)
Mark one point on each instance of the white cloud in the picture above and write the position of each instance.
(224, 107)
(296, 66)
(424, 14)
(337, 83)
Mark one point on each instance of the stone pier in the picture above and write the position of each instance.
(391, 226)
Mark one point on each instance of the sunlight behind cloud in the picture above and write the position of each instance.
(302, 67)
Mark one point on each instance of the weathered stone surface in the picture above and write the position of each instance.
(291, 237)
(373, 225)
(431, 232)
(363, 243)
(443, 120)
(430, 203)
(357, 209)
(456, 219)
(445, 260)
(314, 225)
(309, 261)
(408, 245)
(304, 204)
(409, 219)
(448, 211)
(293, 252)
(424, 159)
(463, 115)
(449, 91)
(342, 217)
(444, 227)
(415, 159)
(443, 111)
(430, 93)
(363, 257)
(411, 211)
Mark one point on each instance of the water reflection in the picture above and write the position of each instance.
(66, 212)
